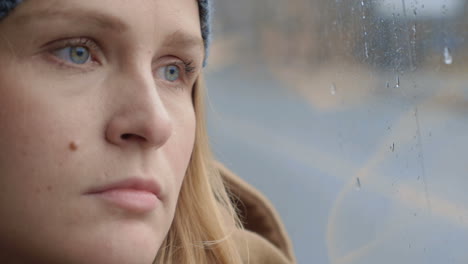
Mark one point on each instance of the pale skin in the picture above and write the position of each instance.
(70, 123)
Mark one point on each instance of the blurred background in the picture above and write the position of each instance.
(351, 116)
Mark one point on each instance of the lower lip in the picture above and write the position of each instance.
(137, 201)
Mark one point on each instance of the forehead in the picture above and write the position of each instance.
(168, 19)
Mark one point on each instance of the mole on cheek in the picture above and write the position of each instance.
(73, 146)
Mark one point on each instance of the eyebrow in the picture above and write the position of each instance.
(179, 39)
(102, 20)
(184, 40)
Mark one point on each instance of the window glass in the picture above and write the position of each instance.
(351, 116)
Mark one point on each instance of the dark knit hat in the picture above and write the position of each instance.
(205, 8)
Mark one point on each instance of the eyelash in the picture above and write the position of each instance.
(185, 66)
(189, 69)
(90, 44)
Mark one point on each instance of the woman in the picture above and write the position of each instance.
(104, 152)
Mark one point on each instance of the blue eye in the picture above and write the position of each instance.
(75, 54)
(171, 73)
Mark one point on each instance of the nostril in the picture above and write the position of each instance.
(131, 136)
(126, 136)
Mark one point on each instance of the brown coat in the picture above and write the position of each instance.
(265, 236)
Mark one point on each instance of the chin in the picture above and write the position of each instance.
(111, 253)
(129, 244)
(135, 256)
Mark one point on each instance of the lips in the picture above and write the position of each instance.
(134, 194)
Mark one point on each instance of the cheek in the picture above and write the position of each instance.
(28, 154)
(35, 124)
(25, 127)
(180, 145)
(37, 128)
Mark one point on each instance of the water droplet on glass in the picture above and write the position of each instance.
(366, 49)
(358, 184)
(362, 3)
(333, 89)
(397, 85)
(447, 56)
(387, 84)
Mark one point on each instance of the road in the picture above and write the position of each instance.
(367, 167)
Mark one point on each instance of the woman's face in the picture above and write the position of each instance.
(97, 127)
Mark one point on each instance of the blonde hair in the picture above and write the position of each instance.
(205, 218)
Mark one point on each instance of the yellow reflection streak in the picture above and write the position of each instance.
(255, 135)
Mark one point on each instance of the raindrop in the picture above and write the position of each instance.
(366, 48)
(447, 56)
(397, 85)
(333, 89)
(358, 184)
(362, 3)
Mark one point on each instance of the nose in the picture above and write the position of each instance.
(139, 116)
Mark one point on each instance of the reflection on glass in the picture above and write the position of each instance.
(352, 117)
